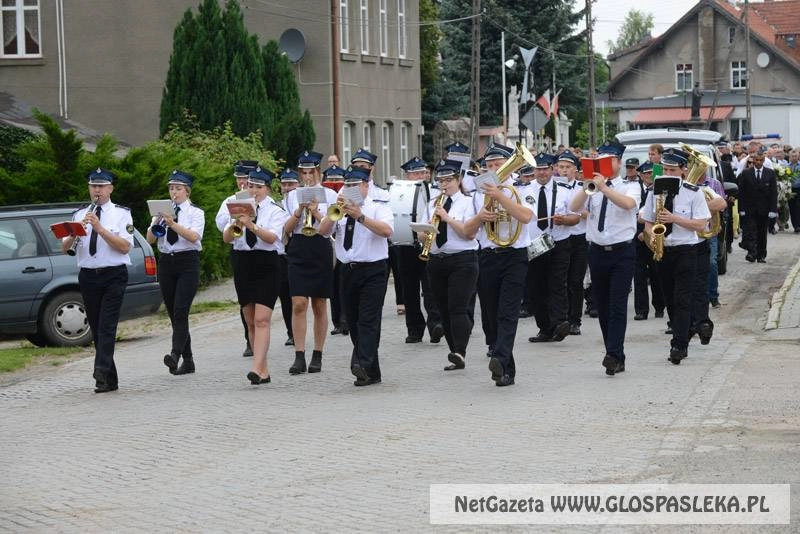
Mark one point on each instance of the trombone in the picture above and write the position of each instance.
(71, 251)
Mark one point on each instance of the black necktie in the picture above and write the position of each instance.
(669, 205)
(350, 227)
(250, 237)
(441, 237)
(758, 175)
(601, 223)
(541, 209)
(93, 239)
(172, 235)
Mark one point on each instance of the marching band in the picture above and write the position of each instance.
(516, 229)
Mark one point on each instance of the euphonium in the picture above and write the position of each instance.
(698, 164)
(520, 157)
(71, 251)
(659, 231)
(429, 237)
(308, 224)
(335, 211)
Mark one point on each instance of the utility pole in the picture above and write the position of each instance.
(475, 102)
(503, 78)
(747, 63)
(553, 92)
(592, 112)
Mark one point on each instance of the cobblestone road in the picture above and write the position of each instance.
(209, 452)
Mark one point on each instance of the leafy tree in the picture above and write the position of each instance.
(10, 138)
(429, 37)
(636, 27)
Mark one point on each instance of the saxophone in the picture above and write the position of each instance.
(659, 230)
(426, 247)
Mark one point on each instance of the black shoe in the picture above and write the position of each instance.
(103, 387)
(299, 365)
(248, 351)
(289, 342)
(620, 367)
(730, 249)
(367, 382)
(413, 339)
(345, 331)
(436, 333)
(456, 361)
(593, 313)
(171, 361)
(750, 258)
(505, 380)
(640, 317)
(574, 329)
(659, 314)
(541, 337)
(315, 365)
(611, 364)
(561, 331)
(496, 368)
(359, 373)
(490, 353)
(742, 246)
(336, 331)
(676, 355)
(705, 332)
(668, 331)
(524, 314)
(715, 303)
(761, 260)
(187, 367)
(773, 231)
(255, 379)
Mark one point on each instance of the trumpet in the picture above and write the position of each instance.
(308, 224)
(336, 211)
(71, 251)
(236, 228)
(589, 187)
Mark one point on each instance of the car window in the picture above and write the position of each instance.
(17, 239)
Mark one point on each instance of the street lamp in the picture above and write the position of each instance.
(507, 64)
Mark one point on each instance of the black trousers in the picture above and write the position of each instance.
(678, 269)
(546, 286)
(501, 281)
(398, 281)
(414, 279)
(612, 272)
(103, 291)
(363, 291)
(700, 299)
(235, 257)
(794, 209)
(646, 271)
(179, 277)
(756, 227)
(284, 296)
(453, 278)
(338, 317)
(577, 271)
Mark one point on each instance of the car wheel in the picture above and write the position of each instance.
(64, 323)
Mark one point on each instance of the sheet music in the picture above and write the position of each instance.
(157, 207)
(308, 194)
(424, 227)
(352, 195)
(486, 178)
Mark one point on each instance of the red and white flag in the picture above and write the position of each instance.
(554, 104)
(544, 102)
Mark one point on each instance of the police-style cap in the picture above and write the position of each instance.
(100, 176)
(612, 148)
(674, 158)
(260, 176)
(414, 164)
(243, 167)
(632, 162)
(498, 151)
(356, 175)
(363, 155)
(180, 178)
(447, 167)
(569, 157)
(481, 162)
(457, 148)
(289, 175)
(527, 170)
(308, 160)
(645, 167)
(334, 172)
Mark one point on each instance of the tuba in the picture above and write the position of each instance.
(698, 163)
(494, 229)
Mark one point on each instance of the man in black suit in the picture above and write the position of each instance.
(758, 201)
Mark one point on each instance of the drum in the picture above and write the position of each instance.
(542, 244)
(408, 200)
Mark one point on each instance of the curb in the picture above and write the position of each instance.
(778, 298)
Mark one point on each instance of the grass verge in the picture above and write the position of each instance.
(18, 358)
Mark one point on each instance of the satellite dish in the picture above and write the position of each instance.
(293, 44)
(762, 59)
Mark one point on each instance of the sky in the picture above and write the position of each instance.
(609, 15)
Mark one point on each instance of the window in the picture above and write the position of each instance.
(367, 136)
(383, 20)
(738, 74)
(347, 142)
(738, 127)
(683, 77)
(405, 128)
(401, 28)
(344, 26)
(386, 147)
(731, 34)
(365, 26)
(20, 29)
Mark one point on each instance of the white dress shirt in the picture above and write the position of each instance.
(689, 203)
(524, 239)
(223, 217)
(552, 192)
(292, 203)
(191, 217)
(367, 246)
(574, 186)
(620, 224)
(461, 210)
(115, 219)
(270, 216)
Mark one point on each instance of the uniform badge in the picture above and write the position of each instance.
(129, 228)
(529, 199)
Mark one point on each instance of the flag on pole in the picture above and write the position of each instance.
(544, 102)
(554, 104)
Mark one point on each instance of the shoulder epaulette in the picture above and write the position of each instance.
(274, 203)
(381, 201)
(563, 184)
(690, 186)
(123, 207)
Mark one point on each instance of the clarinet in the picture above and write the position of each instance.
(74, 248)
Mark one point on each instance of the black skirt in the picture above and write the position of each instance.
(257, 277)
(310, 266)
